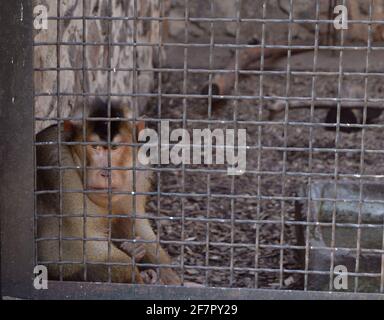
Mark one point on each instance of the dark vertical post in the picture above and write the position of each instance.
(16, 148)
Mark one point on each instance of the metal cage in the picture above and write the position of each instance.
(310, 198)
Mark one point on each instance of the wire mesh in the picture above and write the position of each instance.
(305, 204)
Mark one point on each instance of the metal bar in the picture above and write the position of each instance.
(73, 290)
(210, 71)
(362, 155)
(311, 151)
(59, 140)
(204, 45)
(336, 170)
(235, 105)
(210, 78)
(213, 19)
(265, 105)
(16, 149)
(160, 54)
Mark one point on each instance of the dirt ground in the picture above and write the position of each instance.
(225, 251)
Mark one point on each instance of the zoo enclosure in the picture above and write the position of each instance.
(18, 248)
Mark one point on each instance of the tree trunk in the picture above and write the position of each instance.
(74, 83)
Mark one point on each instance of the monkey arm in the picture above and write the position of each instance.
(136, 250)
(156, 254)
(148, 252)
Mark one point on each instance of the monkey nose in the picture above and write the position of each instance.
(105, 173)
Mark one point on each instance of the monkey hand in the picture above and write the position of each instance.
(149, 276)
(134, 250)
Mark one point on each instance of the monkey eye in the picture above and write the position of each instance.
(94, 146)
(114, 147)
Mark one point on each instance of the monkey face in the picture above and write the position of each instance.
(108, 168)
(108, 153)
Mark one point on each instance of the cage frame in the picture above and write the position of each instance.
(17, 195)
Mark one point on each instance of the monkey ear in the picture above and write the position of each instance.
(140, 125)
(72, 126)
(76, 119)
(68, 126)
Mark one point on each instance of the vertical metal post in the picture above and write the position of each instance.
(16, 148)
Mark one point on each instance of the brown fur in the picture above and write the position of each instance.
(94, 225)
